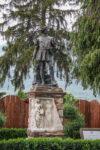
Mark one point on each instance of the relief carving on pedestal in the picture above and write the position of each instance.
(42, 115)
(36, 118)
(48, 114)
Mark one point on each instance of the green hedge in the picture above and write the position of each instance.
(6, 133)
(49, 144)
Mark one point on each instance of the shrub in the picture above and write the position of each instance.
(2, 119)
(71, 128)
(75, 119)
(69, 111)
(69, 98)
(6, 133)
(49, 144)
(21, 95)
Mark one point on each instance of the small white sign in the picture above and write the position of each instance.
(90, 133)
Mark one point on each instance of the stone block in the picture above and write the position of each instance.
(59, 106)
(59, 100)
(60, 113)
(45, 112)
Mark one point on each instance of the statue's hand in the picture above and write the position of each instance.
(56, 48)
(54, 45)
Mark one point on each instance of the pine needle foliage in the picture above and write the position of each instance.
(85, 41)
(22, 21)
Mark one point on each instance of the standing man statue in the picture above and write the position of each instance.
(43, 54)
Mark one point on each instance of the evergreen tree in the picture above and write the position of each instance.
(21, 20)
(85, 42)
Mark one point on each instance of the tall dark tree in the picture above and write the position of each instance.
(21, 20)
(85, 41)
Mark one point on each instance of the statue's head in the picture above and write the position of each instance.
(45, 30)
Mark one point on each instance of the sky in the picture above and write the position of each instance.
(75, 89)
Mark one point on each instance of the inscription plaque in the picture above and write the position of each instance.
(90, 133)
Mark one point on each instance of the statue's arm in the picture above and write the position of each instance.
(54, 44)
(36, 43)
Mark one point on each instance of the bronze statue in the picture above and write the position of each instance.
(43, 54)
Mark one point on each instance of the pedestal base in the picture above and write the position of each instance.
(45, 112)
(45, 134)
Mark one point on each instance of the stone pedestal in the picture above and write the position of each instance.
(45, 112)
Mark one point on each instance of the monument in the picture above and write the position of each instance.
(45, 98)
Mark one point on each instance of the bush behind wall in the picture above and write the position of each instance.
(75, 120)
(12, 133)
(2, 119)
